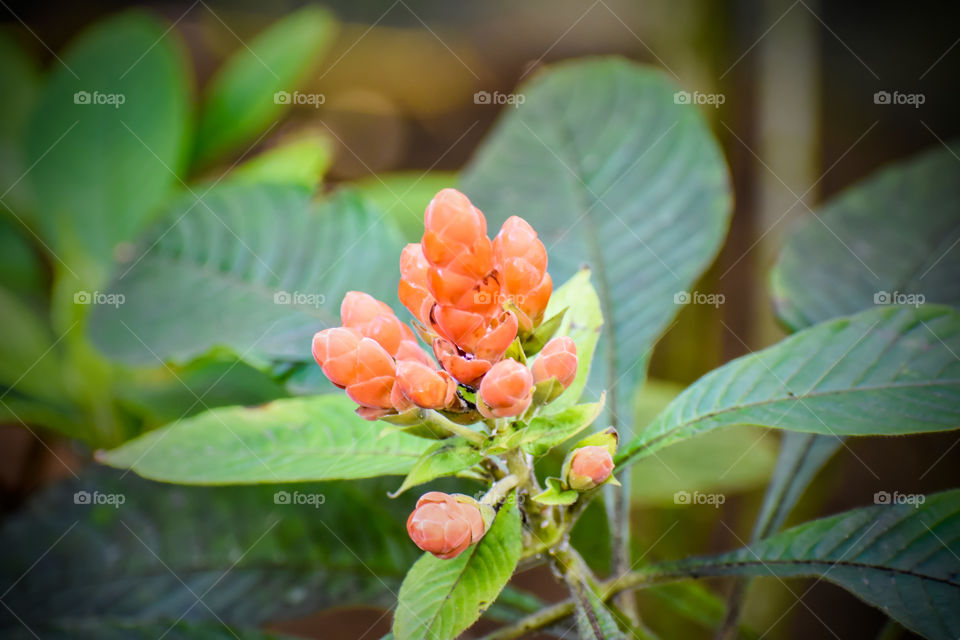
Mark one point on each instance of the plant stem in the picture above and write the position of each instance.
(498, 492)
(437, 420)
(606, 589)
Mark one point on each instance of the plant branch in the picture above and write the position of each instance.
(499, 490)
(606, 589)
(439, 421)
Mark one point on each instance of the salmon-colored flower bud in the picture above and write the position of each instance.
(517, 239)
(335, 352)
(455, 235)
(374, 375)
(444, 526)
(449, 287)
(399, 400)
(413, 289)
(463, 328)
(557, 359)
(501, 332)
(359, 308)
(425, 386)
(534, 302)
(374, 319)
(506, 390)
(466, 370)
(373, 393)
(589, 467)
(410, 350)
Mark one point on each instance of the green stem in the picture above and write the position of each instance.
(606, 589)
(498, 492)
(439, 421)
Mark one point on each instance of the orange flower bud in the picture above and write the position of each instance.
(335, 352)
(506, 390)
(375, 373)
(589, 467)
(425, 386)
(455, 235)
(462, 328)
(413, 289)
(558, 359)
(501, 332)
(445, 526)
(517, 239)
(466, 370)
(410, 350)
(374, 319)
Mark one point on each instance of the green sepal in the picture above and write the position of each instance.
(516, 352)
(556, 494)
(542, 334)
(546, 391)
(607, 438)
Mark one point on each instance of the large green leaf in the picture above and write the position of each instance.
(611, 171)
(31, 361)
(112, 630)
(20, 83)
(891, 236)
(582, 322)
(887, 371)
(444, 458)
(108, 138)
(315, 438)
(240, 101)
(439, 599)
(899, 557)
(301, 160)
(253, 268)
(250, 554)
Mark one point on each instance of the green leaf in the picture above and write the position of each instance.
(31, 363)
(582, 322)
(240, 100)
(169, 630)
(548, 431)
(251, 556)
(20, 83)
(801, 456)
(252, 268)
(444, 458)
(101, 168)
(611, 171)
(886, 371)
(301, 161)
(439, 599)
(898, 557)
(594, 620)
(891, 234)
(298, 439)
(404, 196)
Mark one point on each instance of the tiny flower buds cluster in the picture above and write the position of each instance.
(446, 525)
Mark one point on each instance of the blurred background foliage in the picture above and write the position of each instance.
(398, 119)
